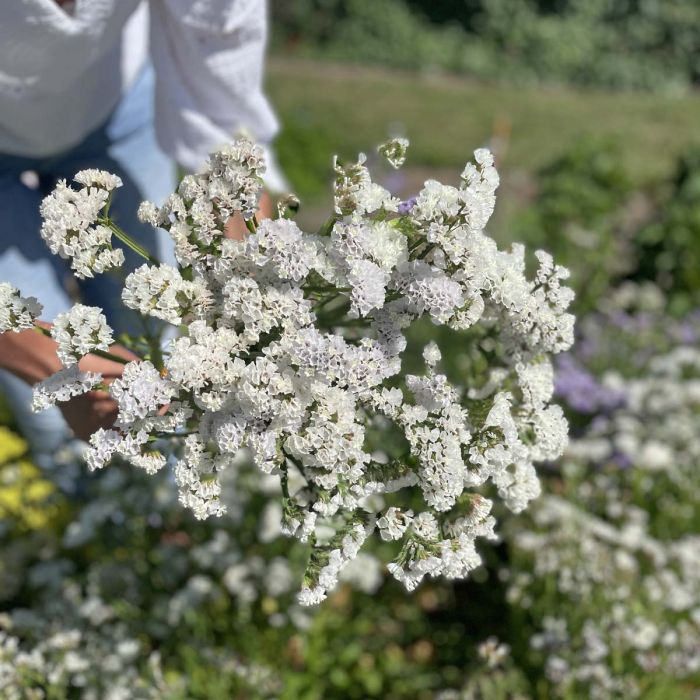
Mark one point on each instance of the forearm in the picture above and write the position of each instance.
(29, 355)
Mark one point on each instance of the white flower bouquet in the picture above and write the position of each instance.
(290, 347)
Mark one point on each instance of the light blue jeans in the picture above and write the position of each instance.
(124, 145)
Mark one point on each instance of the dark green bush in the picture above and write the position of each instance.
(616, 43)
(670, 246)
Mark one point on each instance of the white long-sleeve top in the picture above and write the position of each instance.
(63, 72)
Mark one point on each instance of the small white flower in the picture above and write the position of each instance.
(432, 354)
(17, 313)
(394, 151)
(80, 331)
(98, 178)
(62, 386)
(140, 392)
(394, 523)
(161, 292)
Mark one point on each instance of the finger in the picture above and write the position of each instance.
(121, 351)
(107, 368)
(235, 228)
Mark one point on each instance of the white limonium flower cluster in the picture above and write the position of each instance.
(75, 224)
(80, 331)
(291, 345)
(17, 313)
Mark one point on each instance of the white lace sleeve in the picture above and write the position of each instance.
(208, 57)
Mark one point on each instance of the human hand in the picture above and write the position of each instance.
(236, 228)
(89, 412)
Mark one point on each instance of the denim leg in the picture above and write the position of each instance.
(26, 263)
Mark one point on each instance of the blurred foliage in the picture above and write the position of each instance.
(647, 44)
(579, 214)
(669, 247)
(388, 33)
(197, 592)
(303, 147)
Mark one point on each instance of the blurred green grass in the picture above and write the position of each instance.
(328, 108)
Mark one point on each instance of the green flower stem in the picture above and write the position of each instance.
(165, 435)
(328, 225)
(427, 250)
(110, 356)
(156, 354)
(321, 303)
(108, 204)
(284, 481)
(329, 288)
(252, 224)
(130, 242)
(300, 467)
(153, 341)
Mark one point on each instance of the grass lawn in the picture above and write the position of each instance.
(328, 108)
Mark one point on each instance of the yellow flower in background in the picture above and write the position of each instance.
(24, 493)
(12, 446)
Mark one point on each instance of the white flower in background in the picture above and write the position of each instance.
(80, 331)
(610, 552)
(493, 652)
(431, 354)
(17, 313)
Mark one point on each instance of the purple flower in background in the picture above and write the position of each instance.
(621, 460)
(580, 389)
(405, 207)
(688, 333)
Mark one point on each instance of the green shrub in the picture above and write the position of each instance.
(616, 43)
(578, 214)
(670, 245)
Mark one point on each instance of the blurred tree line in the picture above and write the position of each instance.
(640, 44)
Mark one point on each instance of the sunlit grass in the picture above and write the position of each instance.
(350, 108)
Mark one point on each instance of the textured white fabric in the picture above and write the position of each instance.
(63, 72)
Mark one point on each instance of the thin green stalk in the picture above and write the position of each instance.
(110, 356)
(153, 342)
(324, 302)
(164, 435)
(427, 250)
(328, 288)
(284, 481)
(327, 226)
(130, 242)
(252, 224)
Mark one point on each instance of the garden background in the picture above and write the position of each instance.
(592, 110)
